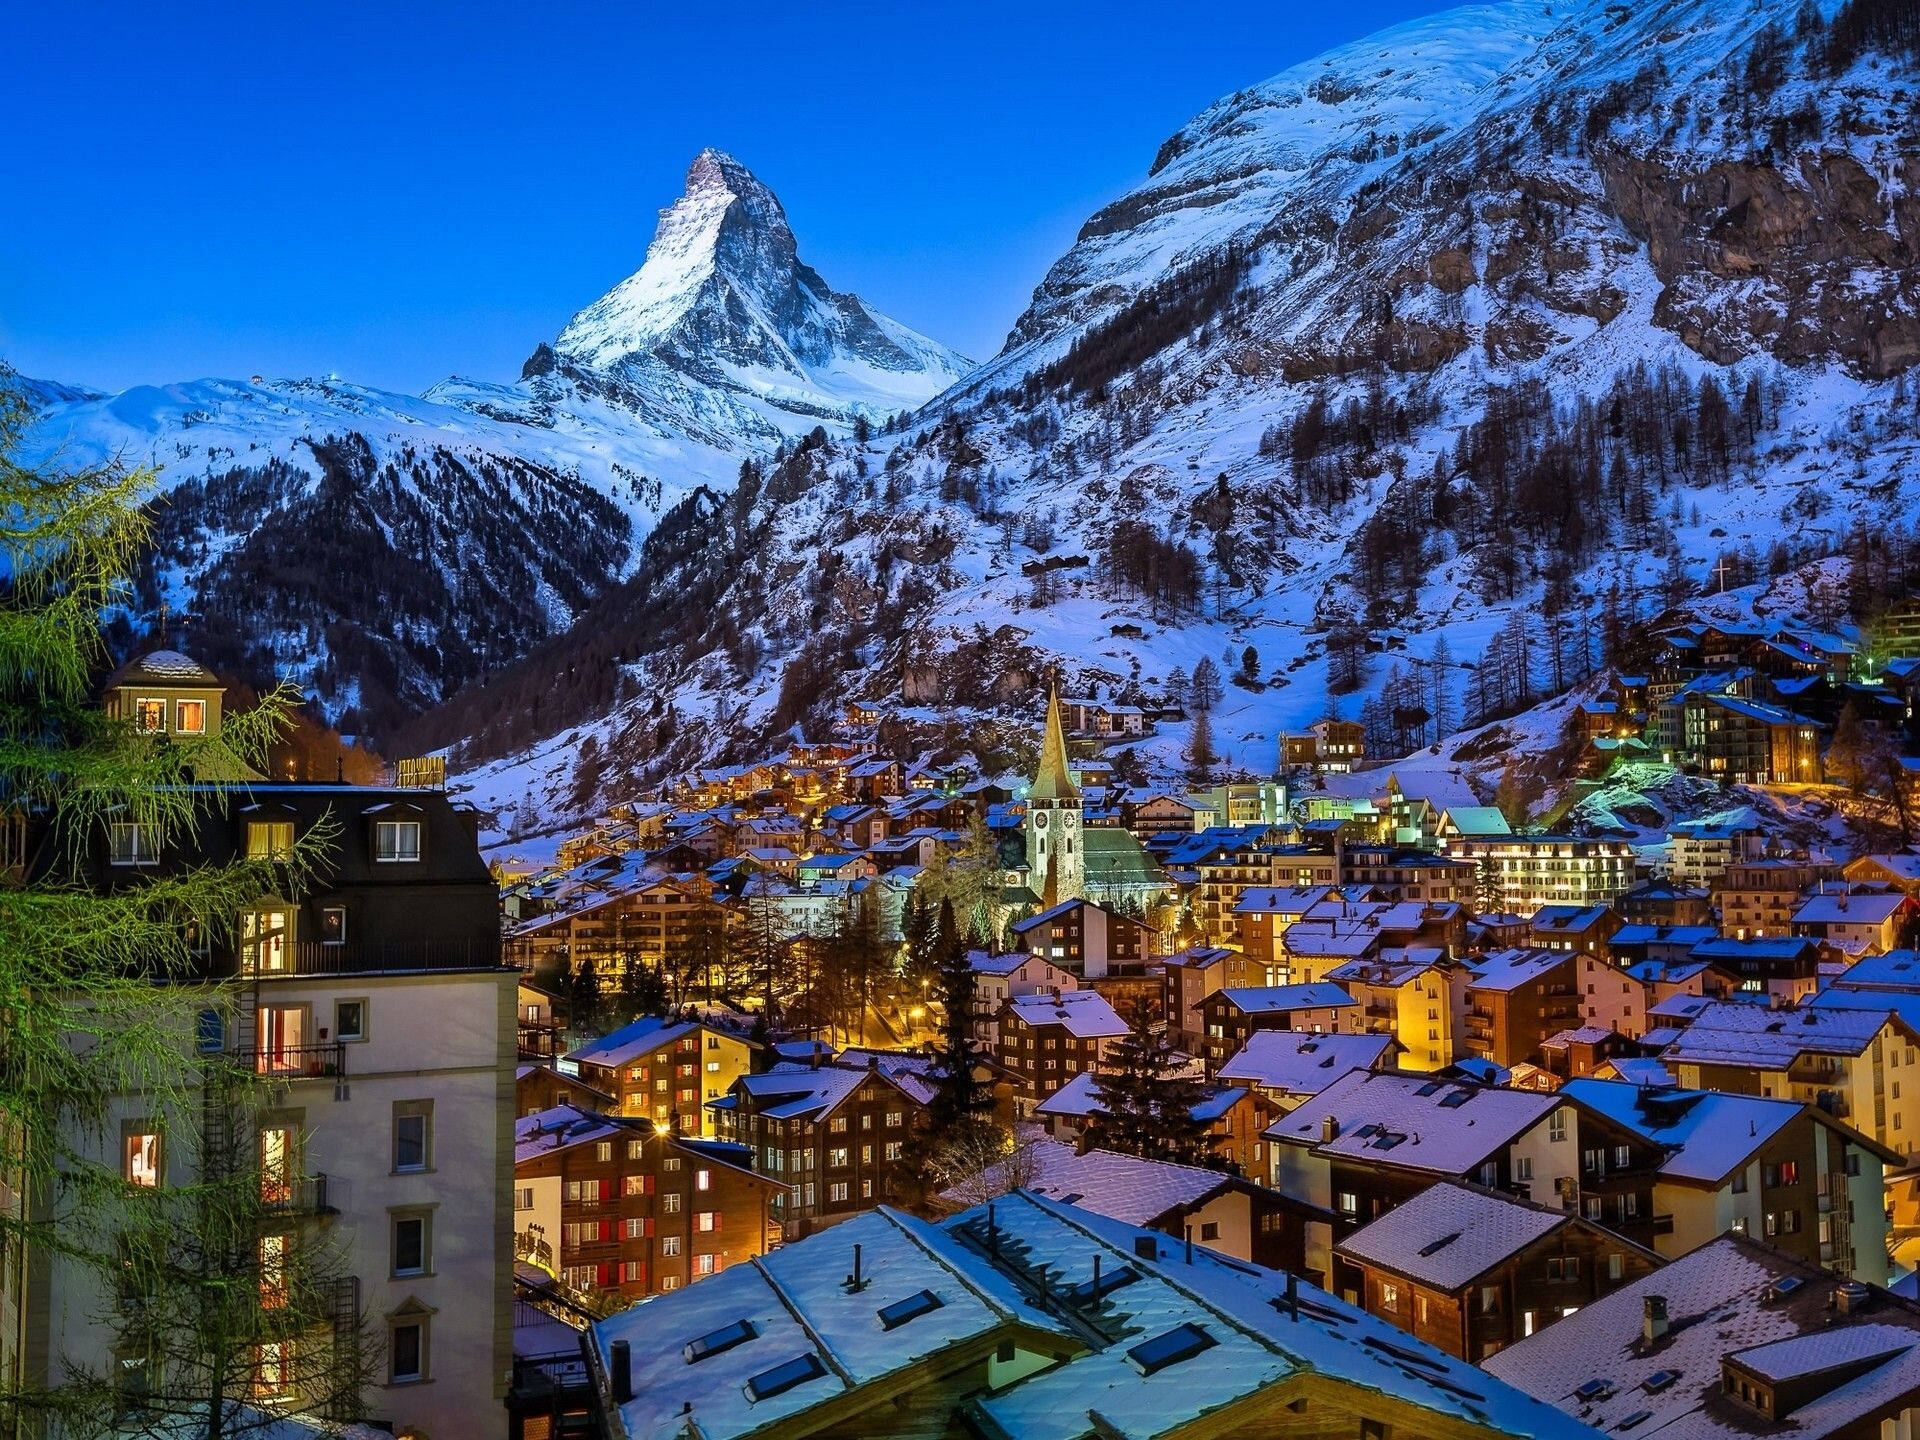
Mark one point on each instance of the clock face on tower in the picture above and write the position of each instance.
(1068, 819)
(1040, 820)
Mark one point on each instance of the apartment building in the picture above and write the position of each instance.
(611, 1206)
(376, 1011)
(666, 1071)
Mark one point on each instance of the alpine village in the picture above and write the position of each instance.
(1327, 846)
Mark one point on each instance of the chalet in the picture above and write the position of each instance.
(1846, 1061)
(1662, 902)
(1782, 1171)
(1187, 978)
(1230, 1016)
(1329, 746)
(665, 1071)
(1373, 1140)
(1785, 968)
(1787, 1350)
(1624, 997)
(1046, 1040)
(1758, 897)
(1086, 938)
(1852, 920)
(1573, 927)
(1516, 999)
(1223, 1212)
(1024, 1318)
(611, 1206)
(1582, 1050)
(999, 978)
(542, 1087)
(1897, 872)
(1235, 1118)
(1471, 1270)
(1262, 916)
(1471, 822)
(1288, 1067)
(835, 1134)
(1161, 815)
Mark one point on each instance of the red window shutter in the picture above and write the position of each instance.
(716, 1222)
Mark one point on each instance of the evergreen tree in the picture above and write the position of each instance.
(1201, 756)
(104, 994)
(1147, 1096)
(1206, 685)
(585, 1012)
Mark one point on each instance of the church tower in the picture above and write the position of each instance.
(1056, 856)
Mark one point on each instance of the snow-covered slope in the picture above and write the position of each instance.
(1524, 314)
(387, 549)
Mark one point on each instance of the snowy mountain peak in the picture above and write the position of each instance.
(724, 298)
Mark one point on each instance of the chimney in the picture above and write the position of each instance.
(620, 1363)
(1329, 1129)
(1653, 1326)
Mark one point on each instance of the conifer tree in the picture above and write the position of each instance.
(106, 993)
(1147, 1097)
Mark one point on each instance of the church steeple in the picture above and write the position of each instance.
(1051, 781)
(1055, 862)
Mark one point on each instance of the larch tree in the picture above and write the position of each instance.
(106, 992)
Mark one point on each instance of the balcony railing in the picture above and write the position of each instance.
(301, 1061)
(314, 957)
(296, 1195)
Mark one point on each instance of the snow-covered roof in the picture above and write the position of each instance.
(1510, 969)
(1710, 1134)
(630, 1041)
(1729, 1033)
(1269, 999)
(1477, 820)
(1084, 1014)
(1450, 1234)
(1421, 1122)
(791, 1090)
(1120, 1187)
(1829, 908)
(1078, 1100)
(1301, 1063)
(1729, 1299)
(1280, 899)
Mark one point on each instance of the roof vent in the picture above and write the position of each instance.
(1781, 1288)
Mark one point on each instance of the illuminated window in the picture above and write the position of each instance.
(150, 716)
(190, 717)
(140, 1158)
(269, 839)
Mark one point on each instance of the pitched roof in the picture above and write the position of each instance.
(1120, 1187)
(1731, 1033)
(1450, 1234)
(1418, 1121)
(1085, 1014)
(1269, 999)
(1724, 1300)
(1302, 1063)
(1710, 1134)
(632, 1040)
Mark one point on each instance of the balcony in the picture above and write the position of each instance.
(312, 957)
(295, 1195)
(1663, 1224)
(301, 1062)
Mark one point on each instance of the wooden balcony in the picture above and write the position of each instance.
(313, 957)
(301, 1062)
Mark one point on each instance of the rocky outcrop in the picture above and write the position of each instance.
(1810, 260)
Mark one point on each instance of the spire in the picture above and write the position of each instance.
(1051, 781)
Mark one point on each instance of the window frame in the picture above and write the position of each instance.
(144, 852)
(397, 824)
(421, 1110)
(180, 706)
(422, 1216)
(360, 1036)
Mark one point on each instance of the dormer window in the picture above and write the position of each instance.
(190, 717)
(396, 841)
(269, 839)
(132, 844)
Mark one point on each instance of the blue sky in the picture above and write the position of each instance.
(399, 191)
